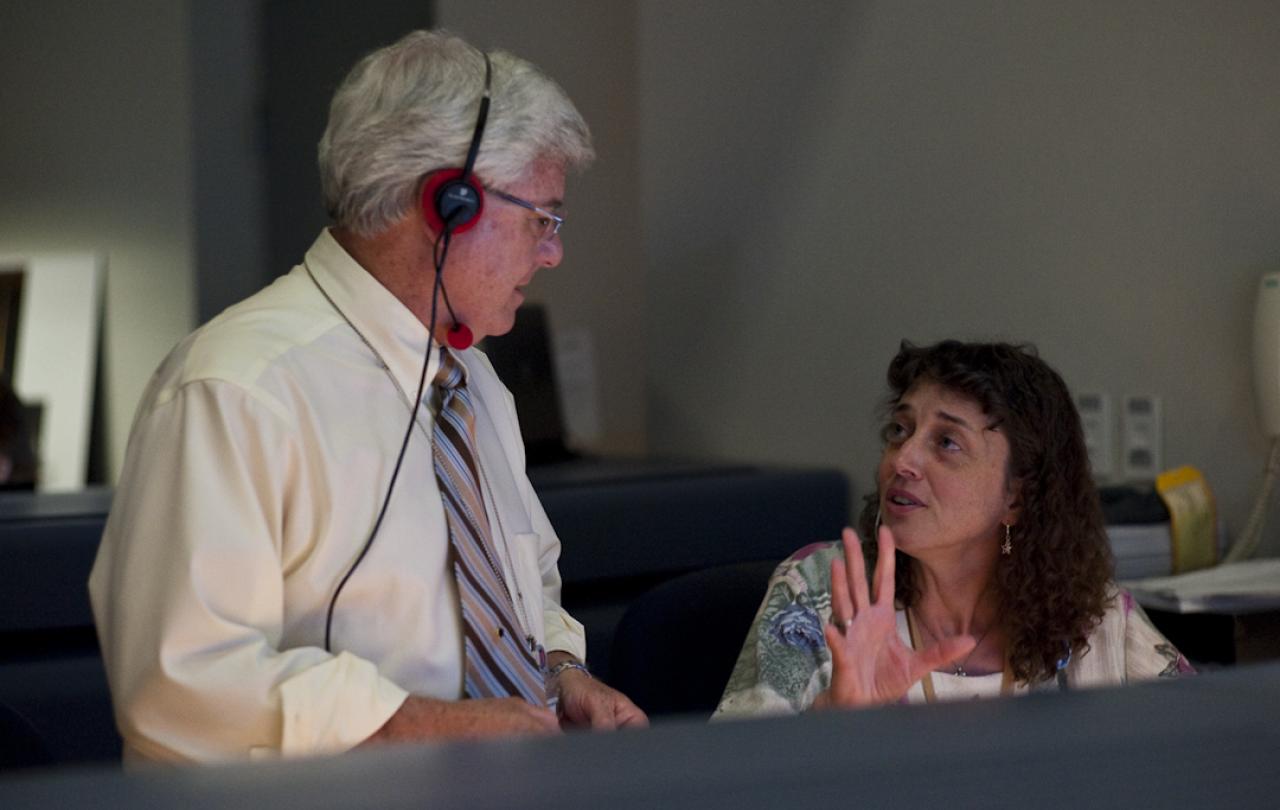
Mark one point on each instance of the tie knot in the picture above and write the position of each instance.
(451, 373)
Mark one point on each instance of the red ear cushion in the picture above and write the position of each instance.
(431, 191)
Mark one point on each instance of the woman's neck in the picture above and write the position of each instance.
(962, 602)
(956, 598)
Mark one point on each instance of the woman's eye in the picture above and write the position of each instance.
(948, 443)
(893, 432)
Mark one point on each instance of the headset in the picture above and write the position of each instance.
(452, 202)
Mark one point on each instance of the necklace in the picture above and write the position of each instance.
(957, 667)
(1006, 678)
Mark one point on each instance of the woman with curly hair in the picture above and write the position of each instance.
(992, 572)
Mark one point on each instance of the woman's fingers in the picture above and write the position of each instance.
(841, 604)
(835, 639)
(857, 569)
(886, 565)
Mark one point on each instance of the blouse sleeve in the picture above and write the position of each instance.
(784, 663)
(1148, 654)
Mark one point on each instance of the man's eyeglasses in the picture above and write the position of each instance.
(549, 222)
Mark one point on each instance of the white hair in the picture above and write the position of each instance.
(410, 108)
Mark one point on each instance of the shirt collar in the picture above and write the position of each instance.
(393, 332)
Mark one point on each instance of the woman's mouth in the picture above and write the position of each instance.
(902, 500)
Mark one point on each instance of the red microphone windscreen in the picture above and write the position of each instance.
(460, 337)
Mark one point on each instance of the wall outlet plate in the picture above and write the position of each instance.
(1095, 417)
(1141, 428)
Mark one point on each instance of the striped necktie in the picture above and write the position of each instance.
(499, 661)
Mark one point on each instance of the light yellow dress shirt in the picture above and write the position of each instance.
(257, 462)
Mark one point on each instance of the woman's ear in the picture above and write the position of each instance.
(1013, 503)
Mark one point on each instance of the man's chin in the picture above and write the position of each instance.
(502, 328)
(508, 320)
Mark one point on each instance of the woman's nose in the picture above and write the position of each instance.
(906, 459)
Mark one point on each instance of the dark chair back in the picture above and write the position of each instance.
(676, 645)
(52, 681)
(21, 745)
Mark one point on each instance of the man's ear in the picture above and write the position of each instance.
(451, 200)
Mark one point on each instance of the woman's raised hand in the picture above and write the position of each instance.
(870, 664)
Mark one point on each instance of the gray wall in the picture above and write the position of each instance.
(307, 49)
(1100, 179)
(783, 192)
(600, 290)
(96, 156)
(140, 130)
(230, 202)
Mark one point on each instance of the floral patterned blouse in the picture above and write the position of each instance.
(784, 664)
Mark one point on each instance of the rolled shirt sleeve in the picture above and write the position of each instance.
(335, 705)
(191, 609)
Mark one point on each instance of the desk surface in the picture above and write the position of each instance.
(1210, 741)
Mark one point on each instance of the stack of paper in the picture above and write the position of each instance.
(1251, 586)
(1141, 550)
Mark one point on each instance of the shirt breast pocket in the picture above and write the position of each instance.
(524, 564)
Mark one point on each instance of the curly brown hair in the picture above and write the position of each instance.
(1055, 586)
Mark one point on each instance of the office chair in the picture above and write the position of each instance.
(676, 645)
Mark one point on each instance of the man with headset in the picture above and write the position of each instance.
(323, 534)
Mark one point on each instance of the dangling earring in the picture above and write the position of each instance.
(877, 523)
(1006, 548)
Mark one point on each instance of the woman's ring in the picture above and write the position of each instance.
(847, 623)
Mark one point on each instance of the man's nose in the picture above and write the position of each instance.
(551, 252)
